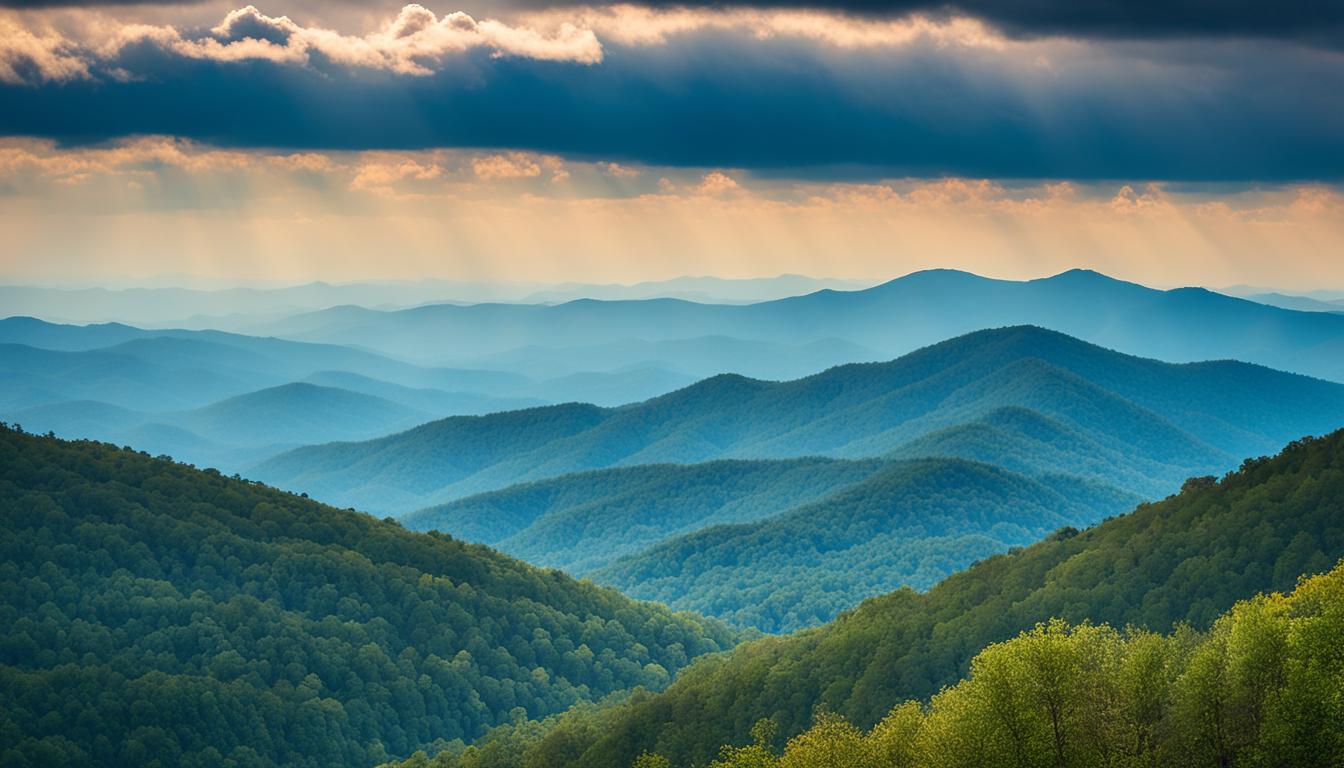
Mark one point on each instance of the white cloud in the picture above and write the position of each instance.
(640, 25)
(717, 183)
(414, 42)
(510, 165)
(41, 158)
(618, 171)
(27, 56)
(381, 173)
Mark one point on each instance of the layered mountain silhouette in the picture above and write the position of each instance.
(1300, 303)
(239, 308)
(233, 431)
(1181, 325)
(228, 400)
(146, 369)
(1026, 398)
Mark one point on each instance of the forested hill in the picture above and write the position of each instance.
(1187, 558)
(584, 520)
(1033, 400)
(910, 524)
(157, 614)
(773, 544)
(1265, 686)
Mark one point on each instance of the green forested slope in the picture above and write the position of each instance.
(1155, 423)
(156, 614)
(1185, 559)
(1028, 442)
(1264, 687)
(584, 520)
(910, 524)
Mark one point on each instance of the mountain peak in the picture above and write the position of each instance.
(938, 276)
(1080, 276)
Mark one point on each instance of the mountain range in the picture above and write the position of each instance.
(229, 400)
(183, 616)
(1300, 303)
(1034, 401)
(241, 429)
(240, 308)
(1180, 325)
(98, 358)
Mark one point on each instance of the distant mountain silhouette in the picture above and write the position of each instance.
(244, 428)
(129, 385)
(1180, 325)
(1300, 303)
(279, 414)
(698, 357)
(238, 308)
(426, 399)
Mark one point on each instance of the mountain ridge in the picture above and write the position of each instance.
(891, 318)
(1224, 409)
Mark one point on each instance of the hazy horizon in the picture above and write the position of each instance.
(184, 281)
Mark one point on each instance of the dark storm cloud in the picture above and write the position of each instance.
(1313, 21)
(1215, 115)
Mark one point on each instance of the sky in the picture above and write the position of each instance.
(1172, 143)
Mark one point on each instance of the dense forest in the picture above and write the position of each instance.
(153, 613)
(1184, 560)
(1264, 686)
(1141, 425)
(910, 524)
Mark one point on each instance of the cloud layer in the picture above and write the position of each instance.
(1315, 21)
(804, 93)
(414, 42)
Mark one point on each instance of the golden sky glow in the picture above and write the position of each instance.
(153, 206)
